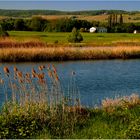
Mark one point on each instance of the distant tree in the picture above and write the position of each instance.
(3, 33)
(121, 19)
(37, 24)
(75, 36)
(7, 24)
(110, 21)
(19, 25)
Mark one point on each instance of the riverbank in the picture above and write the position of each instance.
(118, 118)
(38, 107)
(67, 53)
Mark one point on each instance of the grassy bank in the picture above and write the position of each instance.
(39, 108)
(42, 46)
(67, 53)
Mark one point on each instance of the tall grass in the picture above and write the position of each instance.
(39, 99)
(24, 43)
(67, 53)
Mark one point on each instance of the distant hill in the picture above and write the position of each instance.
(29, 13)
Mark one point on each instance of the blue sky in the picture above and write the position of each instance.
(65, 5)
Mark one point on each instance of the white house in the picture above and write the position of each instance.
(135, 31)
(92, 30)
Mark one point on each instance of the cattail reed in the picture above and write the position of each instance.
(40, 94)
(15, 69)
(6, 70)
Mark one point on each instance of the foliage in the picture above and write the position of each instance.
(37, 24)
(66, 25)
(18, 126)
(19, 25)
(75, 36)
(38, 102)
(133, 131)
(3, 33)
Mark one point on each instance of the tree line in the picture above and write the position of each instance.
(115, 24)
(29, 13)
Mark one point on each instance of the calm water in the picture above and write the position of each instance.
(96, 80)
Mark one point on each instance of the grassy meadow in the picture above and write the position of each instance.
(93, 39)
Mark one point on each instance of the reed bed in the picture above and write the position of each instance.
(36, 100)
(24, 43)
(67, 53)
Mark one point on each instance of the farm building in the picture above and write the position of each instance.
(98, 30)
(136, 31)
(101, 30)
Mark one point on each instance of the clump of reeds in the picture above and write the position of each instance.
(125, 102)
(39, 94)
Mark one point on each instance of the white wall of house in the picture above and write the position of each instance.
(92, 30)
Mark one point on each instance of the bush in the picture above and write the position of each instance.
(133, 131)
(75, 36)
(18, 126)
(3, 33)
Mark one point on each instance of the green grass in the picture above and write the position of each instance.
(108, 126)
(98, 39)
(117, 119)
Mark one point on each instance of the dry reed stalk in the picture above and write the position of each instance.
(61, 53)
(39, 91)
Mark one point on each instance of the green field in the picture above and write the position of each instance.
(95, 39)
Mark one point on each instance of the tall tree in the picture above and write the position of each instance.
(37, 24)
(19, 25)
(121, 19)
(110, 21)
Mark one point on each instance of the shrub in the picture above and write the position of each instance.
(56, 42)
(75, 36)
(133, 131)
(3, 33)
(18, 126)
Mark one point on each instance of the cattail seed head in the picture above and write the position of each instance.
(15, 69)
(6, 70)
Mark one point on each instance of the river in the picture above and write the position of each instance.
(96, 80)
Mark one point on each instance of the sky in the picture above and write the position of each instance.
(65, 5)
